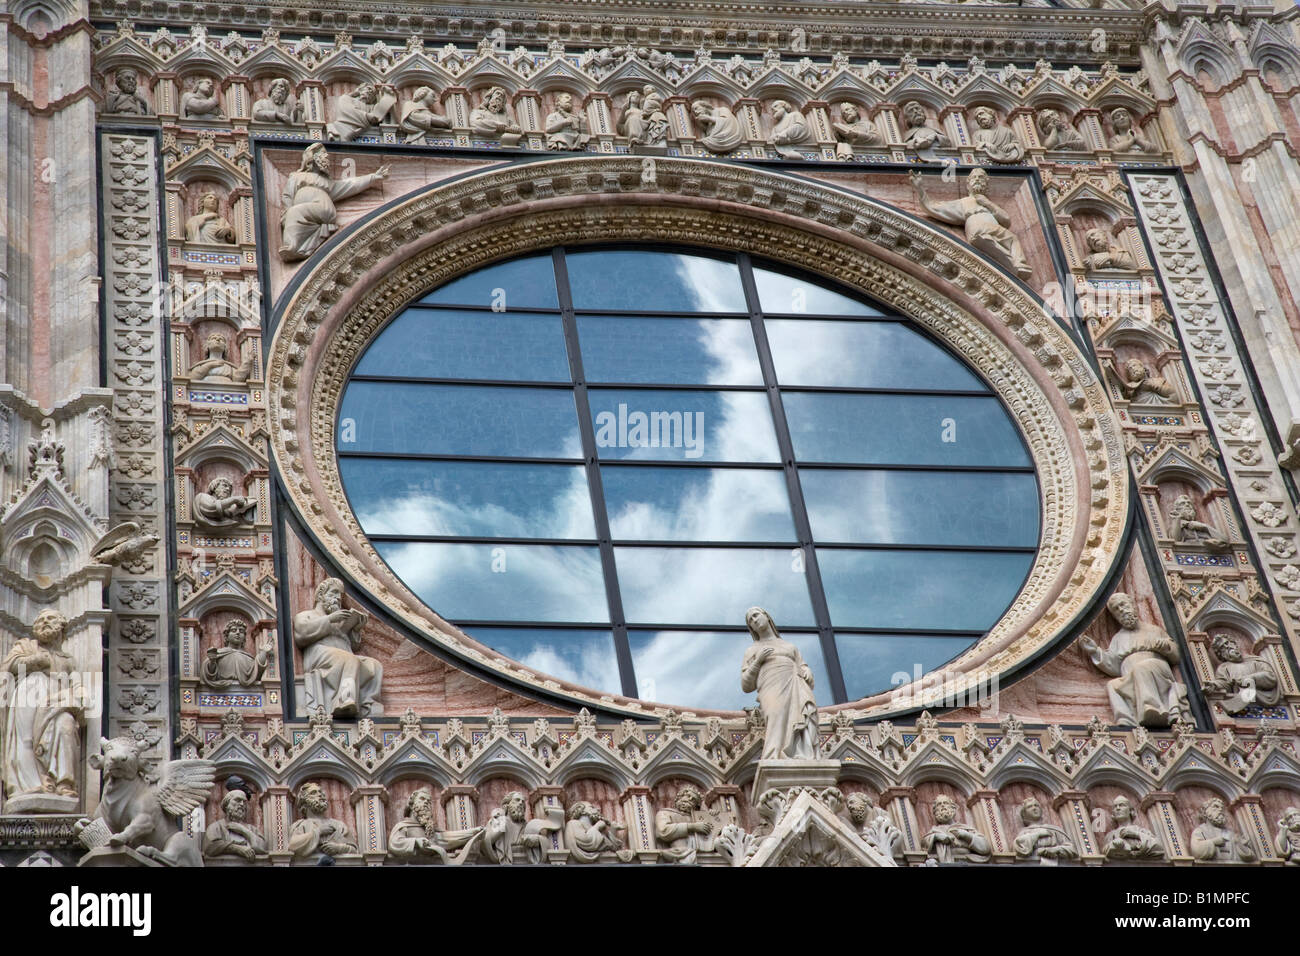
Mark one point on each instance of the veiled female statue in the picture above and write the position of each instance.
(774, 668)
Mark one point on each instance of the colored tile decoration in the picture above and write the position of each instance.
(299, 736)
(1158, 419)
(993, 741)
(273, 697)
(695, 738)
(1205, 560)
(215, 258)
(183, 537)
(907, 739)
(653, 735)
(1036, 743)
(565, 736)
(1084, 828)
(1206, 746)
(608, 737)
(210, 397)
(476, 736)
(1164, 744)
(949, 739)
(1258, 712)
(230, 700)
(1120, 745)
(224, 542)
(849, 758)
(187, 696)
(211, 736)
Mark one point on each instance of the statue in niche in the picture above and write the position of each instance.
(949, 841)
(215, 367)
(1126, 839)
(208, 225)
(775, 669)
(874, 825)
(201, 102)
(309, 198)
(357, 113)
(1103, 254)
(1215, 841)
(1039, 840)
(233, 837)
(231, 665)
(220, 507)
(1141, 659)
(720, 128)
(1138, 383)
(1057, 133)
(125, 99)
(329, 636)
(566, 127)
(1185, 528)
(1242, 679)
(491, 119)
(1287, 843)
(1127, 136)
(416, 839)
(507, 829)
(315, 831)
(588, 834)
(854, 129)
(685, 828)
(789, 129)
(40, 752)
(998, 142)
(644, 122)
(421, 116)
(987, 224)
(918, 133)
(278, 106)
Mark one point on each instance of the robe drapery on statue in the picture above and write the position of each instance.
(775, 669)
(309, 197)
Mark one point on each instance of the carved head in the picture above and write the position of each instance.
(1183, 508)
(977, 183)
(235, 634)
(1214, 812)
(1031, 811)
(700, 110)
(760, 623)
(329, 595)
(849, 113)
(1136, 369)
(780, 108)
(367, 94)
(495, 100)
(419, 807)
(119, 758)
(1097, 240)
(423, 94)
(315, 159)
(859, 806)
(1049, 119)
(1121, 811)
(126, 79)
(220, 488)
(208, 202)
(311, 801)
(235, 806)
(1226, 649)
(688, 798)
(204, 86)
(634, 100)
(985, 117)
(1123, 609)
(944, 809)
(1290, 820)
(216, 344)
(913, 113)
(279, 90)
(583, 809)
(48, 627)
(1121, 120)
(514, 805)
(564, 102)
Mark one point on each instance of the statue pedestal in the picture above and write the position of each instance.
(784, 774)
(116, 856)
(41, 803)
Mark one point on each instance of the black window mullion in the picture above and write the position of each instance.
(803, 528)
(622, 650)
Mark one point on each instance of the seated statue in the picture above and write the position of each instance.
(1037, 840)
(220, 507)
(1137, 383)
(491, 119)
(685, 828)
(309, 202)
(315, 831)
(202, 101)
(789, 129)
(919, 134)
(1126, 840)
(232, 837)
(1242, 679)
(949, 841)
(588, 834)
(215, 367)
(1287, 843)
(998, 142)
(231, 665)
(278, 106)
(566, 128)
(508, 828)
(854, 129)
(1103, 254)
(421, 116)
(1215, 841)
(416, 839)
(987, 225)
(1141, 659)
(1185, 528)
(357, 113)
(874, 825)
(125, 99)
(1057, 133)
(1127, 136)
(719, 128)
(329, 636)
(208, 225)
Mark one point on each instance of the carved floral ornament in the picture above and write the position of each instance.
(371, 272)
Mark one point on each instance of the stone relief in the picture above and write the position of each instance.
(279, 105)
(1127, 839)
(421, 117)
(1039, 840)
(588, 834)
(329, 636)
(950, 841)
(566, 127)
(854, 129)
(997, 141)
(231, 665)
(1215, 841)
(918, 134)
(644, 122)
(1127, 136)
(1242, 679)
(125, 99)
(719, 128)
(215, 366)
(1140, 659)
(874, 825)
(1287, 843)
(220, 507)
(202, 101)
(685, 828)
(1138, 383)
(987, 224)
(124, 545)
(507, 829)
(208, 225)
(789, 129)
(232, 838)
(315, 832)
(1104, 254)
(360, 111)
(1057, 133)
(774, 669)
(1186, 528)
(309, 198)
(492, 119)
(416, 839)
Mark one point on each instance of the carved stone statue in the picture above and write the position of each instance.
(684, 828)
(220, 507)
(232, 837)
(1057, 133)
(125, 99)
(1103, 254)
(1186, 528)
(309, 198)
(357, 113)
(588, 834)
(491, 119)
(1126, 840)
(1242, 679)
(329, 636)
(566, 128)
(208, 225)
(654, 120)
(415, 838)
(278, 105)
(1137, 383)
(421, 116)
(789, 129)
(951, 842)
(215, 367)
(40, 752)
(918, 133)
(1287, 843)
(720, 128)
(854, 129)
(1141, 659)
(507, 829)
(123, 545)
(998, 142)
(1039, 840)
(987, 224)
(1215, 841)
(201, 102)
(1127, 136)
(774, 668)
(231, 665)
(315, 831)
(874, 825)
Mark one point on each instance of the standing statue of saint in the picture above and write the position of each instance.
(774, 668)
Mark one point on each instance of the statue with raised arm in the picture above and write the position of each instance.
(355, 114)
(1127, 840)
(309, 197)
(998, 142)
(1242, 679)
(231, 665)
(774, 668)
(987, 224)
(949, 841)
(329, 636)
(1141, 660)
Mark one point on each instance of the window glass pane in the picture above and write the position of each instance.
(711, 586)
(873, 663)
(922, 507)
(902, 429)
(863, 355)
(502, 582)
(940, 590)
(782, 293)
(396, 496)
(459, 420)
(443, 343)
(527, 283)
(670, 351)
(582, 657)
(672, 425)
(702, 668)
(638, 280)
(697, 504)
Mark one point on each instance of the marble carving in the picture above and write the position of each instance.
(1140, 661)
